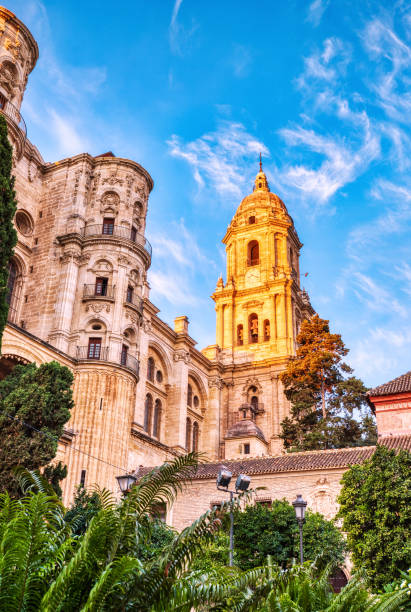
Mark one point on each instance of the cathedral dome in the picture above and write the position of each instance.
(245, 429)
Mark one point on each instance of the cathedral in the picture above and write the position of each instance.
(143, 392)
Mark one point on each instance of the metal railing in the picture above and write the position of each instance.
(256, 408)
(136, 301)
(118, 231)
(106, 353)
(8, 109)
(90, 291)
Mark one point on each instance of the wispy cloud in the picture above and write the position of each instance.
(178, 260)
(342, 163)
(241, 60)
(394, 63)
(375, 296)
(179, 36)
(316, 11)
(326, 65)
(221, 159)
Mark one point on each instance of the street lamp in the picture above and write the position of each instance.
(241, 484)
(125, 482)
(299, 507)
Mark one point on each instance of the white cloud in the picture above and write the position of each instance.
(179, 36)
(325, 66)
(241, 60)
(394, 63)
(178, 261)
(221, 160)
(69, 140)
(375, 296)
(342, 164)
(316, 11)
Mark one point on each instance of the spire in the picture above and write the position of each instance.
(261, 183)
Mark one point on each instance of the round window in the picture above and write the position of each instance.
(24, 223)
(96, 326)
(196, 401)
(159, 376)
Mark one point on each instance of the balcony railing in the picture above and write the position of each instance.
(119, 231)
(96, 291)
(109, 354)
(256, 408)
(8, 109)
(136, 301)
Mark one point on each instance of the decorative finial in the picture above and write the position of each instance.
(261, 164)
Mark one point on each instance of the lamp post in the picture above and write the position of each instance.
(299, 507)
(125, 482)
(242, 483)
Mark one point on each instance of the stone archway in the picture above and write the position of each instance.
(8, 362)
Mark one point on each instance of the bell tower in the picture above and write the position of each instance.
(259, 310)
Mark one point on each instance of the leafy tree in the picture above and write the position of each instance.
(260, 531)
(325, 401)
(35, 403)
(44, 567)
(85, 506)
(375, 505)
(8, 205)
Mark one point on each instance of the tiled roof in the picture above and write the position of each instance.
(402, 384)
(244, 429)
(297, 462)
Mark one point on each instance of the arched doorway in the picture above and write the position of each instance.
(8, 363)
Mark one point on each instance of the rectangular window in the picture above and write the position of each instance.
(159, 511)
(2, 100)
(133, 234)
(101, 286)
(124, 352)
(94, 348)
(129, 295)
(82, 478)
(246, 449)
(108, 226)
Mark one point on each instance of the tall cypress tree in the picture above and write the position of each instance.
(8, 205)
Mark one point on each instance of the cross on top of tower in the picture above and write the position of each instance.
(261, 183)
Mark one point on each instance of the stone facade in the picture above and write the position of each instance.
(79, 294)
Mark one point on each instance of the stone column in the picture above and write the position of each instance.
(66, 298)
(211, 434)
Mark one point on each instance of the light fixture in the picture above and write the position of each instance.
(242, 483)
(299, 507)
(224, 478)
(125, 482)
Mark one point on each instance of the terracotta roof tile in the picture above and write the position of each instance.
(401, 384)
(297, 462)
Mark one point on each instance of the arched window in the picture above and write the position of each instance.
(251, 220)
(157, 418)
(253, 328)
(195, 436)
(240, 335)
(150, 369)
(254, 403)
(188, 434)
(189, 395)
(253, 253)
(266, 330)
(148, 413)
(11, 281)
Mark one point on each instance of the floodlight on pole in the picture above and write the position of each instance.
(242, 483)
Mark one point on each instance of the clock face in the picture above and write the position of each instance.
(252, 277)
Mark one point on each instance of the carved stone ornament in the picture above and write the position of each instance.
(13, 46)
(33, 171)
(133, 318)
(85, 258)
(215, 381)
(123, 261)
(251, 382)
(110, 202)
(96, 308)
(182, 355)
(8, 77)
(147, 326)
(70, 256)
(112, 179)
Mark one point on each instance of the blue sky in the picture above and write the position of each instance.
(194, 90)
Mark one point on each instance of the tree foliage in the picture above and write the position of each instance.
(8, 205)
(262, 530)
(35, 403)
(375, 505)
(329, 407)
(45, 567)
